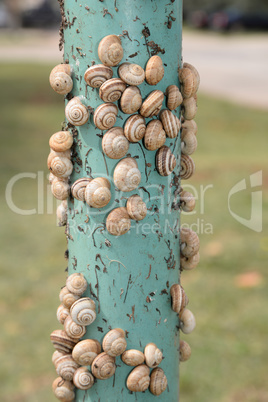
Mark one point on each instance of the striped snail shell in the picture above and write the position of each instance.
(110, 51)
(131, 100)
(136, 208)
(96, 75)
(153, 355)
(187, 167)
(112, 90)
(83, 311)
(63, 390)
(189, 242)
(61, 166)
(196, 74)
(187, 201)
(66, 367)
(114, 143)
(152, 104)
(53, 154)
(61, 141)
(189, 263)
(62, 212)
(174, 97)
(189, 108)
(55, 357)
(60, 79)
(134, 128)
(85, 351)
(62, 342)
(165, 161)
(105, 116)
(155, 135)
(187, 321)
(188, 82)
(185, 351)
(103, 366)
(131, 74)
(127, 176)
(76, 284)
(76, 112)
(83, 379)
(158, 381)
(170, 122)
(67, 298)
(188, 143)
(188, 125)
(62, 313)
(179, 298)
(60, 189)
(139, 380)
(98, 194)
(118, 222)
(114, 342)
(133, 357)
(154, 71)
(74, 330)
(79, 187)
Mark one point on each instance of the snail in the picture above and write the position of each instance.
(174, 97)
(105, 116)
(189, 263)
(97, 193)
(76, 112)
(152, 104)
(188, 125)
(139, 380)
(83, 379)
(196, 74)
(114, 144)
(85, 351)
(67, 298)
(188, 82)
(103, 366)
(133, 357)
(131, 74)
(79, 187)
(62, 342)
(76, 284)
(96, 75)
(62, 68)
(55, 357)
(185, 351)
(188, 143)
(63, 390)
(165, 161)
(187, 201)
(62, 211)
(153, 355)
(60, 79)
(136, 208)
(112, 90)
(62, 313)
(158, 381)
(179, 298)
(66, 367)
(118, 222)
(135, 128)
(60, 189)
(154, 71)
(114, 342)
(189, 108)
(170, 122)
(131, 100)
(189, 242)
(187, 321)
(83, 311)
(187, 167)
(53, 154)
(110, 51)
(155, 135)
(61, 141)
(74, 330)
(127, 176)
(61, 167)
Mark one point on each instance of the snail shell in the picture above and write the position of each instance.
(61, 141)
(103, 366)
(154, 71)
(187, 321)
(63, 390)
(188, 125)
(53, 154)
(139, 380)
(196, 74)
(67, 298)
(62, 68)
(118, 222)
(76, 113)
(83, 379)
(110, 51)
(189, 242)
(61, 167)
(79, 187)
(85, 351)
(158, 381)
(62, 211)
(187, 167)
(136, 208)
(114, 342)
(188, 143)
(153, 355)
(112, 90)
(188, 82)
(135, 128)
(133, 357)
(190, 263)
(165, 161)
(76, 284)
(174, 97)
(185, 351)
(131, 100)
(155, 135)
(55, 357)
(189, 108)
(187, 201)
(152, 104)
(61, 82)
(170, 122)
(114, 143)
(127, 176)
(96, 75)
(62, 314)
(60, 189)
(66, 367)
(62, 342)
(98, 194)
(74, 330)
(83, 311)
(132, 74)
(105, 116)
(179, 298)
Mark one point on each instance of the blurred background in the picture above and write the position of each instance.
(228, 43)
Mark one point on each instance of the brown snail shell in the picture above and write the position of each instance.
(189, 242)
(60, 189)
(74, 330)
(98, 194)
(55, 357)
(114, 144)
(62, 313)
(136, 208)
(187, 201)
(86, 351)
(103, 366)
(127, 176)
(53, 154)
(153, 355)
(152, 104)
(61, 82)
(63, 390)
(76, 113)
(158, 381)
(118, 222)
(76, 284)
(174, 97)
(132, 74)
(187, 321)
(139, 380)
(83, 379)
(62, 211)
(110, 51)
(135, 128)
(66, 367)
(133, 357)
(188, 143)
(189, 108)
(105, 116)
(83, 311)
(155, 135)
(170, 122)
(67, 298)
(112, 90)
(79, 187)
(188, 82)
(189, 263)
(61, 167)
(196, 74)
(165, 161)
(62, 68)
(61, 141)
(96, 75)
(187, 167)
(185, 351)
(62, 342)
(179, 298)
(154, 71)
(114, 342)
(131, 100)
(188, 125)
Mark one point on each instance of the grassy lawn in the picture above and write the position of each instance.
(229, 345)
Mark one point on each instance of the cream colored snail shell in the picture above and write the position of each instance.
(53, 154)
(103, 366)
(61, 141)
(152, 104)
(85, 351)
(179, 298)
(153, 355)
(189, 108)
(196, 74)
(188, 143)
(62, 342)
(155, 135)
(114, 342)
(131, 74)
(170, 122)
(189, 242)
(114, 144)
(185, 351)
(83, 379)
(133, 357)
(187, 201)
(96, 75)
(154, 71)
(131, 100)
(60, 79)
(136, 208)
(139, 380)
(110, 51)
(63, 390)
(112, 90)
(76, 112)
(79, 187)
(187, 321)
(66, 367)
(127, 176)
(98, 194)
(60, 189)
(165, 161)
(189, 263)
(62, 211)
(83, 311)
(158, 381)
(55, 357)
(67, 298)
(76, 284)
(118, 222)
(62, 68)
(187, 167)
(188, 125)
(135, 128)
(61, 167)
(62, 313)
(105, 116)
(74, 330)
(188, 82)
(174, 97)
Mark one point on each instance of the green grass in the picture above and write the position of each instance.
(229, 345)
